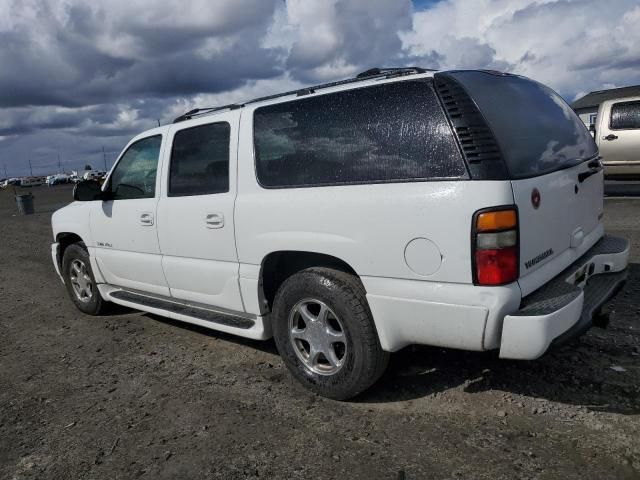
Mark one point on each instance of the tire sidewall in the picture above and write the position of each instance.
(312, 285)
(72, 253)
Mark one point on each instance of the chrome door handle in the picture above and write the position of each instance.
(146, 218)
(214, 220)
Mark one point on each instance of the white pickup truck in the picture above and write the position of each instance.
(461, 209)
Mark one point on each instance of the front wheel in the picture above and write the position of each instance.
(325, 333)
(80, 282)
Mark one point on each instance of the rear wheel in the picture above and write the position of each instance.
(79, 280)
(325, 333)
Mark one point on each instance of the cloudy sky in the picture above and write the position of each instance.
(80, 75)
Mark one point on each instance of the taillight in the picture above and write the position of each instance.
(495, 246)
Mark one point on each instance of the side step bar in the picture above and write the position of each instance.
(184, 309)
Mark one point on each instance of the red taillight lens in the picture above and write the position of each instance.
(497, 267)
(495, 246)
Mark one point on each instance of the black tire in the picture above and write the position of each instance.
(364, 360)
(94, 305)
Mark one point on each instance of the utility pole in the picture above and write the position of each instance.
(5, 170)
(104, 157)
(59, 163)
(30, 167)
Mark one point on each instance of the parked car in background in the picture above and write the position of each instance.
(10, 181)
(94, 175)
(617, 134)
(32, 181)
(459, 209)
(57, 179)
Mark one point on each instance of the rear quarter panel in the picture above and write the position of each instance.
(367, 226)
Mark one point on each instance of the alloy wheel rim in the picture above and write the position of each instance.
(318, 337)
(81, 282)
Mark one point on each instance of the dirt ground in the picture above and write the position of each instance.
(133, 395)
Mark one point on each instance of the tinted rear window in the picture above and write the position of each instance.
(625, 115)
(386, 133)
(537, 131)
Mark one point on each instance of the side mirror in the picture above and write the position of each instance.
(592, 129)
(87, 191)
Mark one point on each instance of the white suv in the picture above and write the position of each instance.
(461, 209)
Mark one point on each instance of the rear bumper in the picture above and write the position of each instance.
(564, 307)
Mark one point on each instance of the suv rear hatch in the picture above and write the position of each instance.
(525, 133)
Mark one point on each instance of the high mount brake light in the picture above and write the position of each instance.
(495, 246)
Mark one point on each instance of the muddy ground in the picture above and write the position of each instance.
(133, 395)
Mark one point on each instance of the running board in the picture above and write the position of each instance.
(184, 309)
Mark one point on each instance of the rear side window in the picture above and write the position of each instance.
(625, 116)
(386, 133)
(200, 160)
(537, 131)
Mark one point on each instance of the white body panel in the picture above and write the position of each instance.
(196, 234)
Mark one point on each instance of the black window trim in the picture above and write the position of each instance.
(427, 80)
(176, 195)
(107, 184)
(611, 115)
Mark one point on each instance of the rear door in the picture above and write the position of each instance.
(619, 135)
(553, 167)
(195, 212)
(559, 218)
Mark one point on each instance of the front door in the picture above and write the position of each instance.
(124, 228)
(195, 212)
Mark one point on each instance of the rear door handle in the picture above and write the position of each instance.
(146, 218)
(610, 137)
(214, 220)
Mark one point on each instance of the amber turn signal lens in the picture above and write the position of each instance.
(500, 220)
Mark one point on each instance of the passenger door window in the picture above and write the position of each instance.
(625, 116)
(200, 160)
(135, 174)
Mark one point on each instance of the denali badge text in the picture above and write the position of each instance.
(105, 244)
(538, 258)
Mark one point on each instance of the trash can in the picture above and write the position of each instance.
(25, 203)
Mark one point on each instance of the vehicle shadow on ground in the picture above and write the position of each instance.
(264, 346)
(579, 373)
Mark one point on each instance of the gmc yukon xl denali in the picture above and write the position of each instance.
(460, 209)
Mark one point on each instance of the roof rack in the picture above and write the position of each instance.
(203, 111)
(366, 75)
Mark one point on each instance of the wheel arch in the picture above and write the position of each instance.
(64, 240)
(279, 265)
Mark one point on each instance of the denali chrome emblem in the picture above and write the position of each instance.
(538, 258)
(535, 198)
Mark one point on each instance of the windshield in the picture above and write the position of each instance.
(537, 131)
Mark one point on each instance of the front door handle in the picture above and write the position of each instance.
(214, 220)
(146, 218)
(610, 137)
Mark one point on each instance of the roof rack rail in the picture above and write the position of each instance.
(366, 75)
(203, 111)
(374, 72)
